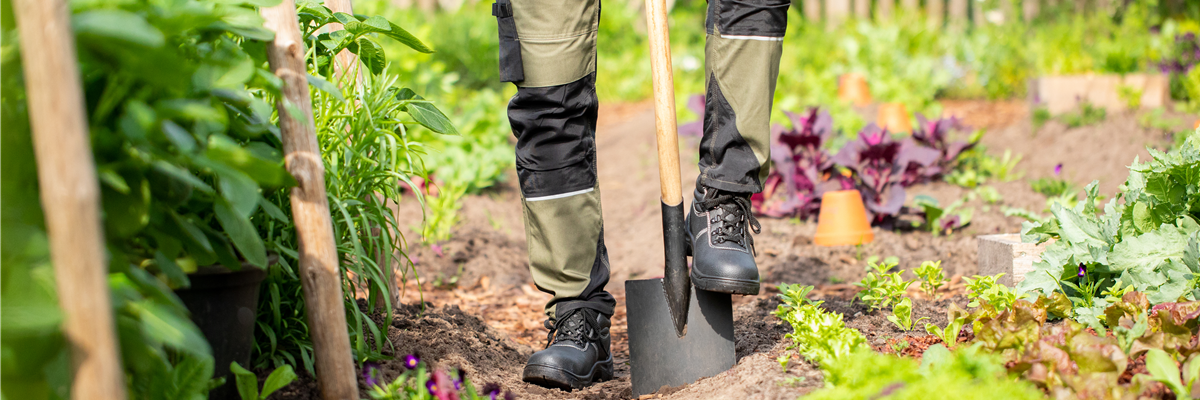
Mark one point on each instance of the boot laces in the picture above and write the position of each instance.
(574, 326)
(730, 224)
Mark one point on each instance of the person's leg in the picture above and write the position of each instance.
(550, 55)
(742, 51)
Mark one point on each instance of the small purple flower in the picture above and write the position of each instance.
(411, 361)
(370, 373)
(1058, 169)
(1082, 271)
(431, 386)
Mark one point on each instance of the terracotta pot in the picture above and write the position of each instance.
(852, 87)
(843, 220)
(894, 117)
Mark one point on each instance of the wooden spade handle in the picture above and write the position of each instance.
(664, 102)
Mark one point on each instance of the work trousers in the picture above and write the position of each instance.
(548, 49)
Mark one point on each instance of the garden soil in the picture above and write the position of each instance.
(477, 309)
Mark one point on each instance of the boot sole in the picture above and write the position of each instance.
(554, 377)
(716, 284)
(724, 285)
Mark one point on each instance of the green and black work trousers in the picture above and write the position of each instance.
(548, 49)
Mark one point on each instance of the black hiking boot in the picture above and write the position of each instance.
(720, 244)
(577, 353)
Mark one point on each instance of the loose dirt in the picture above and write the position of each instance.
(482, 313)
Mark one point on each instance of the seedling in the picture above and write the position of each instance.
(931, 275)
(957, 317)
(902, 315)
(247, 382)
(984, 289)
(880, 288)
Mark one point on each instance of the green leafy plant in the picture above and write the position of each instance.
(1150, 240)
(817, 335)
(1040, 116)
(880, 288)
(1087, 115)
(247, 382)
(931, 275)
(983, 289)
(902, 315)
(1162, 368)
(969, 372)
(943, 221)
(956, 317)
(1131, 96)
(978, 168)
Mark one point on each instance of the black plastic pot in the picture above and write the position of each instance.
(223, 304)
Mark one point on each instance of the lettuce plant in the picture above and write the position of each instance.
(818, 335)
(902, 315)
(956, 317)
(882, 167)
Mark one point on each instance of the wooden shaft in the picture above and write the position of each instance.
(70, 195)
(345, 60)
(319, 275)
(664, 102)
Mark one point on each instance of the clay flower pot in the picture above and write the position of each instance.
(852, 87)
(894, 117)
(843, 220)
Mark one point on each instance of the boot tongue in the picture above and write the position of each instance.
(572, 328)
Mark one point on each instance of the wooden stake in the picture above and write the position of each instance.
(319, 275)
(345, 60)
(70, 195)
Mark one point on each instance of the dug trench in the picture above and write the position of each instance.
(476, 308)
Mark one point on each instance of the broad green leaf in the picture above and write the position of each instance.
(173, 329)
(371, 54)
(190, 378)
(1077, 228)
(377, 23)
(171, 270)
(247, 382)
(1148, 250)
(239, 190)
(326, 86)
(183, 175)
(279, 378)
(407, 39)
(1163, 369)
(178, 136)
(425, 113)
(242, 234)
(266, 172)
(118, 25)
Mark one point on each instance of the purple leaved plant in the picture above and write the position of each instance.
(882, 167)
(936, 134)
(801, 165)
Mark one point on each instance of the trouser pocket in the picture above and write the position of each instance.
(511, 69)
